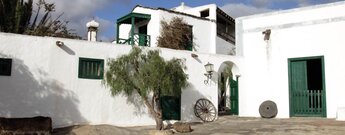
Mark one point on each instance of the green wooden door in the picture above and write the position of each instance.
(143, 35)
(307, 98)
(234, 97)
(171, 106)
(298, 87)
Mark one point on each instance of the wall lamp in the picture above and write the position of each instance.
(267, 34)
(59, 43)
(209, 71)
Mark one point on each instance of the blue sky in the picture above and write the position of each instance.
(78, 12)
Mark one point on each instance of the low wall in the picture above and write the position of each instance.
(44, 82)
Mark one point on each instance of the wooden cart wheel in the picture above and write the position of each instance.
(205, 110)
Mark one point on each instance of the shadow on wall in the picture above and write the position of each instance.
(30, 92)
(189, 98)
(140, 107)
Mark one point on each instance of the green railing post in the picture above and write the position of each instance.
(132, 30)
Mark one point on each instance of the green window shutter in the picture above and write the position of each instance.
(91, 68)
(189, 45)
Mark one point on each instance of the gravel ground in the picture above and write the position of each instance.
(227, 125)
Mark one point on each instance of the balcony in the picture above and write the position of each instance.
(223, 31)
(138, 39)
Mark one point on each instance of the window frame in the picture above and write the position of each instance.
(84, 75)
(205, 13)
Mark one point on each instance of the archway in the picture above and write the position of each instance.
(228, 74)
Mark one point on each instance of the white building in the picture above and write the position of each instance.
(291, 57)
(213, 30)
(300, 67)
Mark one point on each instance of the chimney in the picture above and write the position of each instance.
(92, 28)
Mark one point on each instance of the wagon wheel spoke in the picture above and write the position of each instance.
(210, 108)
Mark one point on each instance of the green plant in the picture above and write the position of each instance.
(146, 73)
(176, 34)
(16, 15)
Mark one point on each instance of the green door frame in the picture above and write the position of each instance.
(324, 107)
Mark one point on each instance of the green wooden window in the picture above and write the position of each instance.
(91, 68)
(5, 66)
(189, 45)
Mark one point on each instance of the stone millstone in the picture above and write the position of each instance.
(182, 127)
(268, 109)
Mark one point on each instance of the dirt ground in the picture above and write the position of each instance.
(227, 125)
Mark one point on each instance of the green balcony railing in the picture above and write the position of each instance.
(138, 39)
(124, 41)
(142, 39)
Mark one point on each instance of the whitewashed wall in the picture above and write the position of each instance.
(196, 11)
(311, 31)
(224, 47)
(125, 31)
(204, 31)
(44, 82)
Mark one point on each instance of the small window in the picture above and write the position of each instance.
(91, 68)
(5, 66)
(189, 38)
(205, 13)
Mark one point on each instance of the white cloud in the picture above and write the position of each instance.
(302, 3)
(239, 9)
(79, 12)
(106, 25)
(261, 6)
(261, 3)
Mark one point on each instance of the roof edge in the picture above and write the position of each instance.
(175, 12)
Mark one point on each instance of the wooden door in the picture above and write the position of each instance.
(234, 96)
(143, 35)
(171, 107)
(307, 91)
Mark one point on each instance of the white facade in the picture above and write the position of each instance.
(44, 82)
(204, 28)
(44, 79)
(295, 33)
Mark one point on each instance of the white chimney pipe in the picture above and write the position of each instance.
(92, 28)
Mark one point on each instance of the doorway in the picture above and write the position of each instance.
(143, 36)
(228, 92)
(307, 87)
(171, 107)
